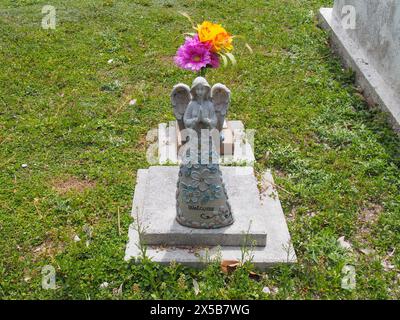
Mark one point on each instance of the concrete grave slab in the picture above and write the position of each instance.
(193, 247)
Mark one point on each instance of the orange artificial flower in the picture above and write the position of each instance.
(216, 35)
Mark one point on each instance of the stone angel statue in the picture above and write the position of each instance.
(202, 201)
(218, 98)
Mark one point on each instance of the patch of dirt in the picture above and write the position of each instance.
(371, 213)
(280, 174)
(142, 142)
(72, 184)
(48, 248)
(368, 216)
(291, 216)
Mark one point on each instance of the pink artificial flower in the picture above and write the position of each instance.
(194, 55)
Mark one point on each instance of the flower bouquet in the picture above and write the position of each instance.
(206, 48)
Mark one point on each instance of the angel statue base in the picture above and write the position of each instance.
(201, 197)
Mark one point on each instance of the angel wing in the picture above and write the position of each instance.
(180, 98)
(221, 97)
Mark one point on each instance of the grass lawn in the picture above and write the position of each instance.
(70, 146)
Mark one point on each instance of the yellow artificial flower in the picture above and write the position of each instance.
(215, 34)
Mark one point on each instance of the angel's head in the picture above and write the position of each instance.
(200, 89)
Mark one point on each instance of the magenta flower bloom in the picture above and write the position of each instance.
(194, 55)
(214, 60)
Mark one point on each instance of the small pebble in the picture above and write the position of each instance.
(344, 244)
(387, 265)
(366, 251)
(266, 290)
